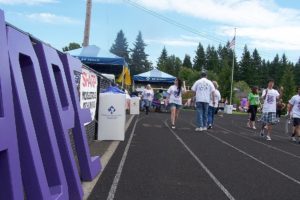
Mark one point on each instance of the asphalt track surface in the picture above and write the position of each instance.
(229, 161)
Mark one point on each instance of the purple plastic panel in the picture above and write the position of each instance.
(10, 171)
(42, 169)
(89, 167)
(62, 112)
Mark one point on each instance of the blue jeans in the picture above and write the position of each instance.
(201, 111)
(211, 114)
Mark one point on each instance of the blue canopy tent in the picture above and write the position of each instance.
(154, 76)
(101, 61)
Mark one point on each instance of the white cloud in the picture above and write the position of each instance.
(27, 2)
(262, 22)
(183, 41)
(50, 18)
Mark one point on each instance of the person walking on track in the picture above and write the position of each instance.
(253, 99)
(204, 89)
(147, 95)
(175, 99)
(213, 106)
(294, 113)
(269, 96)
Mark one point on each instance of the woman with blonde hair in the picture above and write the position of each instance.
(147, 96)
(213, 106)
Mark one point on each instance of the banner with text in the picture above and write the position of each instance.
(88, 91)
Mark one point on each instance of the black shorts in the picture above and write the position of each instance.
(296, 121)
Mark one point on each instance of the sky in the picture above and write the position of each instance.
(271, 26)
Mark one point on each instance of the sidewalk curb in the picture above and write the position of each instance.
(89, 186)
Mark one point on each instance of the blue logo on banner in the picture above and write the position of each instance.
(111, 109)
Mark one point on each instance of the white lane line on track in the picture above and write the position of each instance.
(217, 182)
(269, 146)
(252, 157)
(113, 189)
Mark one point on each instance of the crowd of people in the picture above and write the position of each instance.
(208, 101)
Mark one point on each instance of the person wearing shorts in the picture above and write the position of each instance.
(270, 97)
(253, 98)
(294, 113)
(175, 99)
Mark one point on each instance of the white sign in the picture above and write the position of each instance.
(112, 117)
(88, 91)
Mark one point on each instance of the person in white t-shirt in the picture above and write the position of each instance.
(268, 118)
(175, 99)
(294, 113)
(147, 96)
(204, 89)
(213, 106)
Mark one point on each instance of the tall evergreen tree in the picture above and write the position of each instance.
(256, 66)
(225, 80)
(199, 60)
(297, 73)
(173, 65)
(120, 47)
(274, 69)
(288, 83)
(162, 60)
(246, 68)
(187, 61)
(139, 62)
(212, 61)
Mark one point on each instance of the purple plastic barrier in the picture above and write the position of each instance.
(10, 171)
(42, 171)
(90, 167)
(62, 112)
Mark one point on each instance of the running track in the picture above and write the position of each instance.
(229, 161)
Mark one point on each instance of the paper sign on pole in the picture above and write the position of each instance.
(88, 91)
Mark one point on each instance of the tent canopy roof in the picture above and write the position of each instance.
(94, 55)
(154, 76)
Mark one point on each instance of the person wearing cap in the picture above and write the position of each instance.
(205, 90)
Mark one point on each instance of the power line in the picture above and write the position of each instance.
(175, 23)
(182, 26)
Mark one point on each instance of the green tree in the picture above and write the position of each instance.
(139, 62)
(72, 46)
(297, 73)
(162, 60)
(189, 75)
(288, 84)
(257, 67)
(246, 68)
(199, 60)
(212, 60)
(225, 80)
(173, 65)
(187, 61)
(120, 47)
(273, 69)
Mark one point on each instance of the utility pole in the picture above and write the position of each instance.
(232, 69)
(87, 26)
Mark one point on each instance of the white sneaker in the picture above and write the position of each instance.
(204, 129)
(293, 139)
(198, 129)
(268, 138)
(254, 127)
